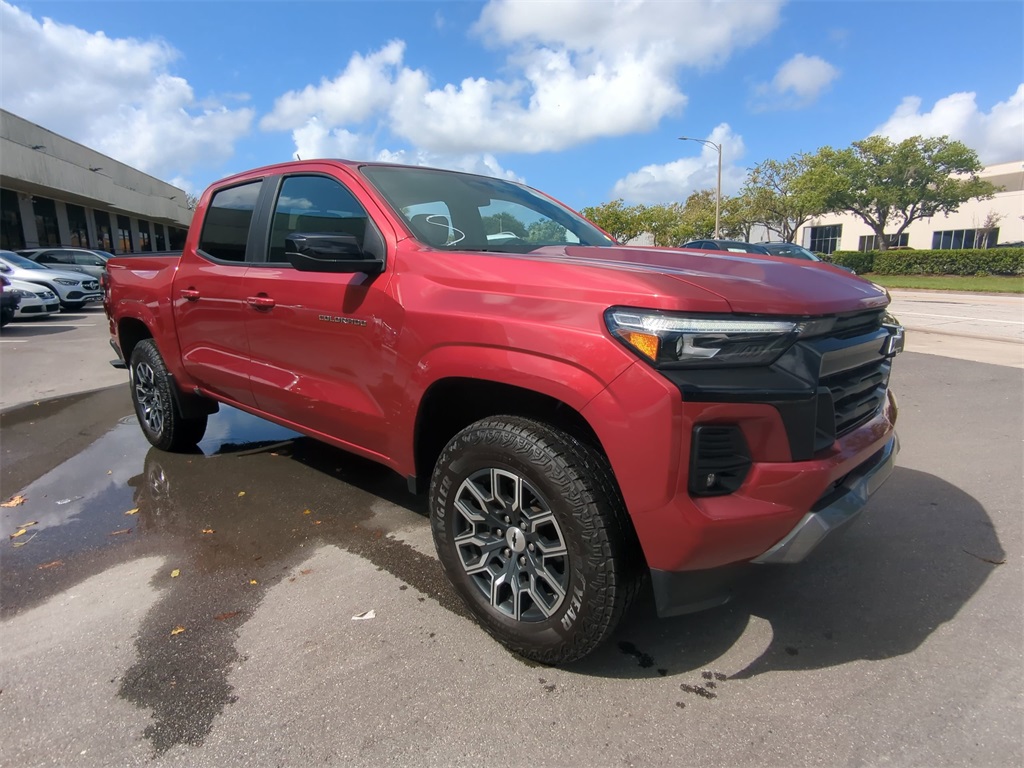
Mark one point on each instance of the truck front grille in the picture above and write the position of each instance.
(857, 394)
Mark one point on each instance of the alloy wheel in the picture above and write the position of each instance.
(510, 545)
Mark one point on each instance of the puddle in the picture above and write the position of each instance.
(233, 518)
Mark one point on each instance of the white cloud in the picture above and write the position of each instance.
(115, 95)
(676, 180)
(997, 136)
(797, 83)
(484, 165)
(576, 71)
(804, 76)
(699, 34)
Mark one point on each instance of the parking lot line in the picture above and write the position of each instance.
(13, 341)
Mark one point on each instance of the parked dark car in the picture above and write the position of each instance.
(733, 246)
(9, 302)
(85, 260)
(798, 252)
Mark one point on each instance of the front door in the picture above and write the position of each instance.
(323, 344)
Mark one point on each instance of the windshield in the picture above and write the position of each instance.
(20, 261)
(458, 211)
(794, 251)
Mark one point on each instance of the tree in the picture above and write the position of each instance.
(621, 222)
(738, 217)
(504, 222)
(698, 216)
(780, 196)
(665, 223)
(890, 185)
(191, 201)
(545, 231)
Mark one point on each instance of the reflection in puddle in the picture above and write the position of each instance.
(232, 519)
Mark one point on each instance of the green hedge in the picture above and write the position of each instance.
(991, 261)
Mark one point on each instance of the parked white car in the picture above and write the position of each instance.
(73, 289)
(36, 301)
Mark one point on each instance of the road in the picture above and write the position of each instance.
(199, 610)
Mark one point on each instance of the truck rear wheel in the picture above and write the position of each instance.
(532, 532)
(157, 411)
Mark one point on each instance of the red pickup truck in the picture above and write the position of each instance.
(582, 414)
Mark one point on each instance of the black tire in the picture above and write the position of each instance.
(155, 406)
(576, 565)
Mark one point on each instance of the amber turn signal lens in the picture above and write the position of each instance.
(645, 343)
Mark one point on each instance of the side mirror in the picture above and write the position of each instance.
(329, 252)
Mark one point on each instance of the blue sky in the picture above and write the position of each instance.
(583, 99)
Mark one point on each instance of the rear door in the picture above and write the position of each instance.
(209, 294)
(322, 343)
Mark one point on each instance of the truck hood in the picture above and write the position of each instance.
(750, 284)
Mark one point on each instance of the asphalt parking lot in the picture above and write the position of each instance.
(199, 609)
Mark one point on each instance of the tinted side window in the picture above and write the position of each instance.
(87, 259)
(314, 204)
(54, 257)
(226, 227)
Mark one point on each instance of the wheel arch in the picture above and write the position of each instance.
(451, 404)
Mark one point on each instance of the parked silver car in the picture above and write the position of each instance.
(36, 301)
(84, 260)
(73, 289)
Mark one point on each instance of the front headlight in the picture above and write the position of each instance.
(66, 281)
(679, 341)
(21, 293)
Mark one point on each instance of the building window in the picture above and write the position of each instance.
(12, 235)
(826, 239)
(124, 235)
(158, 237)
(144, 244)
(105, 241)
(45, 211)
(960, 239)
(870, 242)
(77, 225)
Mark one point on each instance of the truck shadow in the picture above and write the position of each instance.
(919, 553)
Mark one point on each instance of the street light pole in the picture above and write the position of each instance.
(718, 193)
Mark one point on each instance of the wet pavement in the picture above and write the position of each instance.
(198, 609)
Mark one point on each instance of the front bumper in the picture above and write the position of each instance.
(838, 509)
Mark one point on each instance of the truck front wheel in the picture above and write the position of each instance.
(532, 532)
(155, 406)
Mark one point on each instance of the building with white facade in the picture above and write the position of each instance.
(54, 191)
(976, 224)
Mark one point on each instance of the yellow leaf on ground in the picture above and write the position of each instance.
(16, 534)
(134, 511)
(253, 581)
(241, 493)
(177, 630)
(208, 530)
(14, 501)
(175, 573)
(307, 511)
(29, 524)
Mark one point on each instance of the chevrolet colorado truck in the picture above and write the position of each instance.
(582, 414)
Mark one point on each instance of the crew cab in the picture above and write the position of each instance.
(583, 415)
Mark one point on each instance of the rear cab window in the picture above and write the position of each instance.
(226, 225)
